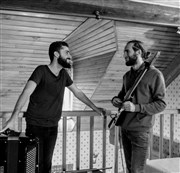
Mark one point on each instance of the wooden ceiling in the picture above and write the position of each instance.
(120, 9)
(28, 27)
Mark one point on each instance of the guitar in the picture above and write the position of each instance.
(117, 120)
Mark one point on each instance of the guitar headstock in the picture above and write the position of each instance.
(151, 59)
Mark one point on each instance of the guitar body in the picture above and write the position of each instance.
(120, 117)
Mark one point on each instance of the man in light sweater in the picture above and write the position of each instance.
(137, 118)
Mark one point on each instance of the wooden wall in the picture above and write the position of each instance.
(155, 38)
(25, 40)
(96, 47)
(92, 45)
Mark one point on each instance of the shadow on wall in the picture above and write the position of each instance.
(166, 40)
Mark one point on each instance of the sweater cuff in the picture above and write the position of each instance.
(113, 98)
(137, 108)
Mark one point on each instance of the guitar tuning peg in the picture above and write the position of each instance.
(148, 54)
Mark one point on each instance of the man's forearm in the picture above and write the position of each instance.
(19, 105)
(81, 96)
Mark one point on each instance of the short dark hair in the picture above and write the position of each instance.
(138, 45)
(55, 46)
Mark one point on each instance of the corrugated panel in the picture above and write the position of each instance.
(25, 40)
(92, 46)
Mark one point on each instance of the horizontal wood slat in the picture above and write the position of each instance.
(102, 36)
(11, 13)
(93, 30)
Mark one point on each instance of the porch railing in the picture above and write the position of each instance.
(78, 115)
(161, 137)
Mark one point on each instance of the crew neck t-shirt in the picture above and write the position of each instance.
(45, 104)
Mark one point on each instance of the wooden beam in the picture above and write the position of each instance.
(120, 9)
(172, 71)
(172, 3)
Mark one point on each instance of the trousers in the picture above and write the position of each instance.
(136, 147)
(47, 139)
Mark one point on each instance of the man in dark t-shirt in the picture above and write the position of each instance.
(45, 91)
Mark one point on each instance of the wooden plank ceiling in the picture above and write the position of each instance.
(124, 9)
(155, 38)
(92, 47)
(96, 45)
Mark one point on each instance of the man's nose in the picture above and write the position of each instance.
(70, 57)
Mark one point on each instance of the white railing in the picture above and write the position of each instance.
(78, 115)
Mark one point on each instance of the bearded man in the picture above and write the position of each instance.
(137, 117)
(45, 91)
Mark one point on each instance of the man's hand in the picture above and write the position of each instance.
(116, 102)
(129, 106)
(8, 125)
(102, 111)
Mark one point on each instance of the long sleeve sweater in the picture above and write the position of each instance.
(148, 97)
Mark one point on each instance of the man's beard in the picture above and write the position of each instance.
(132, 60)
(63, 62)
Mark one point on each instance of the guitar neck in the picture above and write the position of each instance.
(140, 76)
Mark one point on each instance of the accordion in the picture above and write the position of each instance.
(18, 153)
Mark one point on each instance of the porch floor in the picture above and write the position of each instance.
(168, 165)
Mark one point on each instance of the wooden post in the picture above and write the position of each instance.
(91, 142)
(161, 136)
(64, 136)
(104, 144)
(116, 140)
(78, 142)
(171, 135)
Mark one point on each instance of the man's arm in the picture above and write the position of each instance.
(81, 96)
(159, 92)
(157, 104)
(27, 91)
(117, 101)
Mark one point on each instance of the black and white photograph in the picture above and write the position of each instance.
(89, 86)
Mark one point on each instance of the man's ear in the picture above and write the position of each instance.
(138, 52)
(56, 54)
